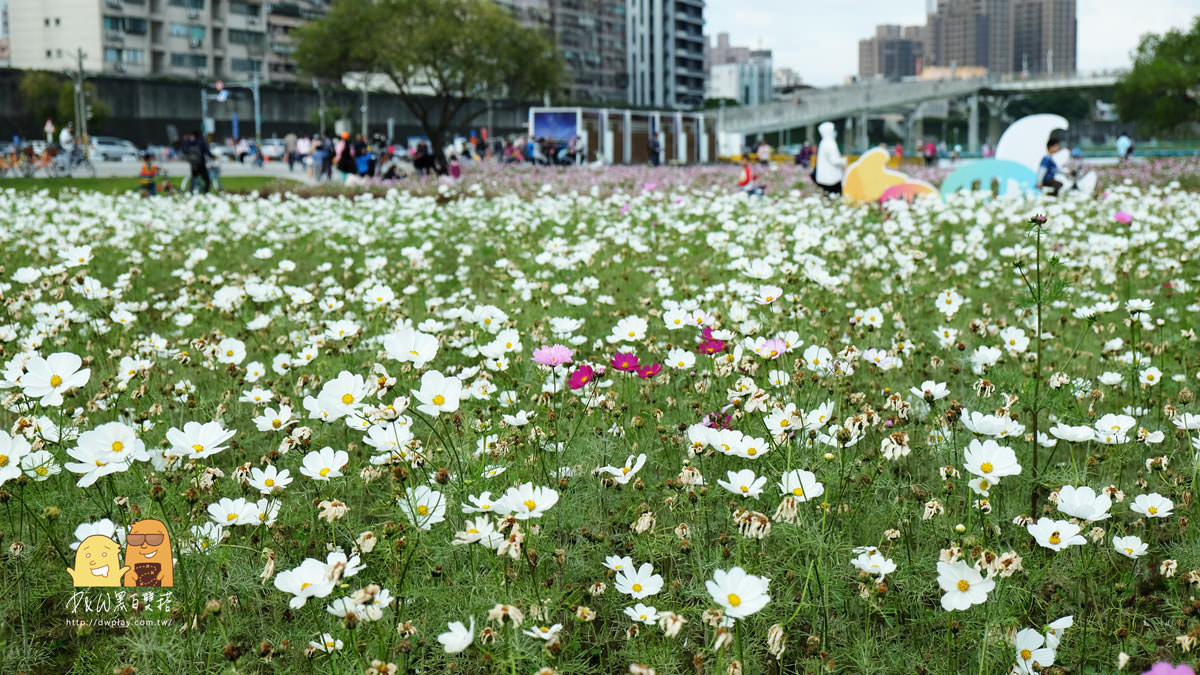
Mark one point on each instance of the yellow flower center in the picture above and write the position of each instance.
(228, 352)
(197, 448)
(118, 446)
(1055, 539)
(439, 400)
(799, 492)
(625, 470)
(1129, 550)
(41, 470)
(530, 504)
(632, 334)
(963, 585)
(305, 585)
(325, 471)
(752, 452)
(1026, 655)
(1152, 510)
(734, 600)
(347, 398)
(637, 588)
(55, 380)
(270, 482)
(231, 517)
(986, 467)
(3, 460)
(745, 488)
(422, 510)
(276, 422)
(784, 422)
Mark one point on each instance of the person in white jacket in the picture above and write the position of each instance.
(830, 163)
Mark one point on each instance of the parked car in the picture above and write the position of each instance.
(161, 152)
(272, 148)
(110, 149)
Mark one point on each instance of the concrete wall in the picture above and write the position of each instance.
(142, 109)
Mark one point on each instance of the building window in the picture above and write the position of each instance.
(245, 65)
(245, 37)
(244, 8)
(125, 24)
(184, 30)
(189, 4)
(132, 56)
(189, 60)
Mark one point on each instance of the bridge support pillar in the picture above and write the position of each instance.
(810, 133)
(915, 131)
(973, 123)
(860, 126)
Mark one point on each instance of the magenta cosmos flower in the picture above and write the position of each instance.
(554, 355)
(647, 372)
(625, 362)
(1123, 217)
(581, 376)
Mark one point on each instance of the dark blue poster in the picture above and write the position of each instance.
(556, 126)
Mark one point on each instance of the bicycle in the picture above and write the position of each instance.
(70, 164)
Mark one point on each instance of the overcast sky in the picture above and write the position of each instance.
(819, 38)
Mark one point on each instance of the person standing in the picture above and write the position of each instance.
(66, 137)
(197, 153)
(345, 157)
(289, 148)
(655, 148)
(1048, 168)
(49, 129)
(1124, 147)
(830, 162)
(764, 152)
(930, 153)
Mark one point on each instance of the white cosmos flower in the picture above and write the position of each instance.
(423, 507)
(739, 593)
(458, 638)
(438, 393)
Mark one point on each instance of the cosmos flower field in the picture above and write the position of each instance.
(654, 430)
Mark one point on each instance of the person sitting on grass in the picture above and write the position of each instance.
(747, 183)
(147, 175)
(1048, 169)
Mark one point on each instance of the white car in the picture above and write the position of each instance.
(109, 149)
(273, 148)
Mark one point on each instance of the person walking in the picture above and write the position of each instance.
(764, 152)
(830, 162)
(290, 148)
(655, 149)
(930, 153)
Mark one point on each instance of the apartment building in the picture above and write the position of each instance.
(665, 53)
(203, 39)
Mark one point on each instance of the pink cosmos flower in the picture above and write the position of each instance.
(647, 372)
(581, 376)
(554, 355)
(1123, 217)
(774, 348)
(1164, 668)
(625, 362)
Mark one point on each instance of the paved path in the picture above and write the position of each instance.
(177, 169)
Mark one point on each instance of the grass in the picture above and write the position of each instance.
(118, 185)
(275, 275)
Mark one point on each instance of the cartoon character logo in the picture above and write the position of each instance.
(148, 552)
(97, 562)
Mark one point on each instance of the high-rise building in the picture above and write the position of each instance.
(722, 52)
(665, 52)
(1044, 37)
(590, 36)
(205, 39)
(748, 83)
(1001, 36)
(893, 52)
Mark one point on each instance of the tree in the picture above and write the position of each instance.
(1162, 90)
(39, 89)
(1069, 104)
(66, 105)
(439, 54)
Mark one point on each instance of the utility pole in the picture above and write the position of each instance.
(364, 105)
(80, 100)
(320, 104)
(257, 106)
